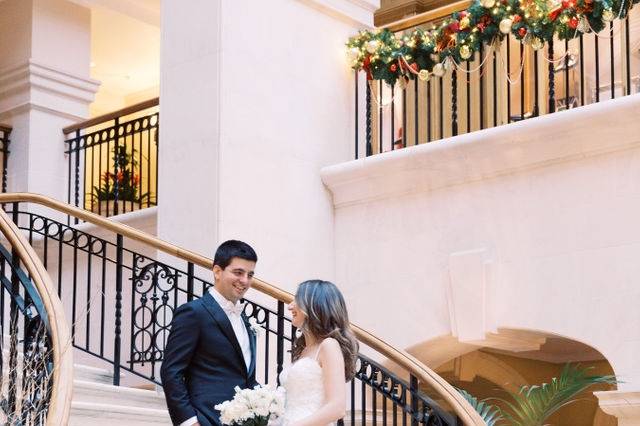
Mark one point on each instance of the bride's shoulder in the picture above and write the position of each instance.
(330, 346)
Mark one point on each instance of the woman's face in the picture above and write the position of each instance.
(297, 316)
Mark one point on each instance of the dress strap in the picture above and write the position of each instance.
(315, 358)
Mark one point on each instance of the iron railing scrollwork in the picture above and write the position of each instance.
(144, 297)
(27, 361)
(113, 161)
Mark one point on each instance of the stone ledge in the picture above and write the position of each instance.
(561, 137)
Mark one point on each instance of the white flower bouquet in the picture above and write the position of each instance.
(252, 407)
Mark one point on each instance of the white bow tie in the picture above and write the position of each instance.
(231, 309)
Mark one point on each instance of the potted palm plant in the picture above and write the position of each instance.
(533, 405)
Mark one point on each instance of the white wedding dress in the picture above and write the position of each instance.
(302, 382)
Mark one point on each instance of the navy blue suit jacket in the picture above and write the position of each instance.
(203, 362)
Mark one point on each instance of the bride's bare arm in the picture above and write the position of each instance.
(332, 363)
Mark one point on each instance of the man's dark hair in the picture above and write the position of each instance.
(233, 248)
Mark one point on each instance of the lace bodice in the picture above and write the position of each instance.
(304, 389)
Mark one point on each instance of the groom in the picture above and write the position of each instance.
(211, 348)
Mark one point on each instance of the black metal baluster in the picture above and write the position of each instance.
(416, 115)
(280, 339)
(103, 275)
(100, 176)
(429, 112)
(45, 240)
(190, 275)
(75, 286)
(88, 295)
(413, 385)
(157, 145)
(495, 89)
(355, 73)
(612, 59)
(468, 78)
(441, 106)
(116, 184)
(60, 239)
(627, 49)
(369, 148)
(454, 102)
(481, 54)
(552, 83)
(581, 59)
(393, 119)
(70, 156)
(380, 117)
(566, 74)
(404, 117)
(118, 317)
(508, 41)
(266, 346)
(384, 411)
(536, 81)
(597, 62)
(374, 406)
(77, 174)
(522, 80)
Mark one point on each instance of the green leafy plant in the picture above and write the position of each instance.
(123, 183)
(533, 405)
(489, 413)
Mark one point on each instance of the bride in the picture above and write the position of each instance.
(324, 356)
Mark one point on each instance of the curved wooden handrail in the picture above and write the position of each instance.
(62, 388)
(459, 405)
(427, 17)
(111, 115)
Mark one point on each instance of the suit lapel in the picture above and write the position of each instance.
(252, 342)
(221, 318)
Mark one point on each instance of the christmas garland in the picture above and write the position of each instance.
(386, 56)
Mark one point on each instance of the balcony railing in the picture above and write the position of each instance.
(113, 160)
(5, 132)
(501, 84)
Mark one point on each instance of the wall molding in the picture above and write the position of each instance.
(354, 12)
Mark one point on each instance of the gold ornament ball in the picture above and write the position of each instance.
(505, 25)
(372, 46)
(536, 43)
(438, 70)
(465, 52)
(423, 75)
(607, 15)
(464, 23)
(353, 54)
(488, 4)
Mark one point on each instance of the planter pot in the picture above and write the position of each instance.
(108, 207)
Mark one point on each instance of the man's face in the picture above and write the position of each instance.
(233, 281)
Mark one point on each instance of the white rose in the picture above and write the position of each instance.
(438, 70)
(505, 25)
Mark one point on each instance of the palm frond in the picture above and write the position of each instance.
(489, 413)
(532, 405)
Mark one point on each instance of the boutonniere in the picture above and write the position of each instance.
(254, 326)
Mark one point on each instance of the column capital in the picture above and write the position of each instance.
(624, 405)
(33, 85)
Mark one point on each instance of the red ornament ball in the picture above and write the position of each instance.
(522, 32)
(414, 67)
(393, 67)
(517, 19)
(573, 23)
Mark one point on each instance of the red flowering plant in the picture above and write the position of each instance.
(122, 184)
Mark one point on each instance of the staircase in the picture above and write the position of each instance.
(97, 402)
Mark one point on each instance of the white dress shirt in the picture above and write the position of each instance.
(239, 329)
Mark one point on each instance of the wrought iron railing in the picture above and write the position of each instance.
(5, 132)
(121, 303)
(498, 85)
(35, 345)
(113, 160)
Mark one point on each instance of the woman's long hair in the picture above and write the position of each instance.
(326, 312)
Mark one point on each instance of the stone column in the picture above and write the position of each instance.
(624, 405)
(45, 57)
